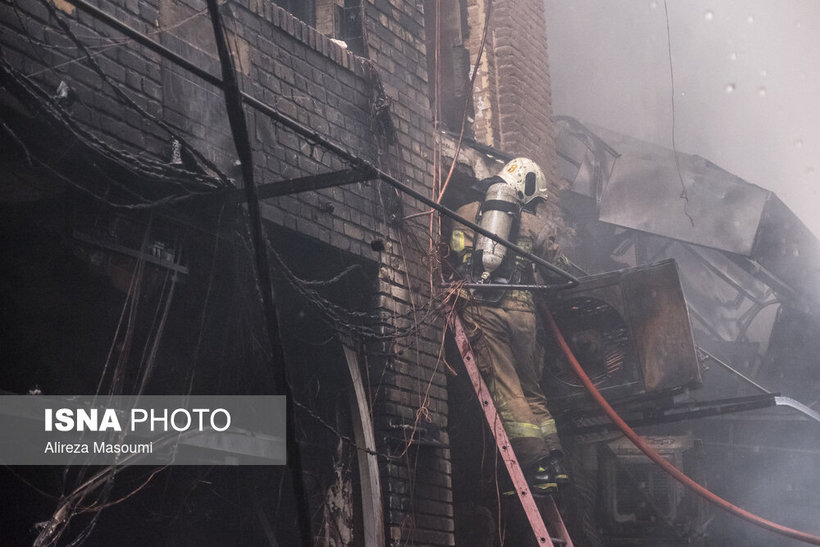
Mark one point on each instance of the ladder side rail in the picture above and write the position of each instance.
(501, 439)
(556, 522)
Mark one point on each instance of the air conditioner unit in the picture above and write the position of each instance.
(640, 503)
(629, 330)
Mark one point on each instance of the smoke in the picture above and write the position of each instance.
(746, 85)
(746, 97)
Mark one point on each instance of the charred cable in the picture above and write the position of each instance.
(355, 161)
(222, 180)
(39, 101)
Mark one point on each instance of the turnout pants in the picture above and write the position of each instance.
(511, 360)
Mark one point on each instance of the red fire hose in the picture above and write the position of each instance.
(661, 461)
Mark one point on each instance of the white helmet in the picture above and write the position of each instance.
(526, 177)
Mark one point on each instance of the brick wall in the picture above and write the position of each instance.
(512, 95)
(299, 72)
(414, 401)
(484, 97)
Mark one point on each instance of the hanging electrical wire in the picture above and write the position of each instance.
(38, 101)
(221, 179)
(143, 169)
(358, 324)
(112, 43)
(683, 194)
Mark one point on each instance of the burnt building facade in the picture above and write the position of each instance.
(242, 197)
(134, 266)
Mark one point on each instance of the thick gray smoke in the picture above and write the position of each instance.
(747, 98)
(746, 82)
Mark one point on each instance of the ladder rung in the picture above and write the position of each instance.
(528, 503)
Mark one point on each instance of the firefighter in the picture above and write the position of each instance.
(502, 323)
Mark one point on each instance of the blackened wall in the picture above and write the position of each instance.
(137, 101)
(512, 96)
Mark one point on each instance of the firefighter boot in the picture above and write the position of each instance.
(539, 477)
(542, 479)
(556, 465)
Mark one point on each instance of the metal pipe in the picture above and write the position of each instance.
(512, 286)
(144, 40)
(242, 142)
(798, 406)
(778, 400)
(733, 370)
(368, 168)
(357, 162)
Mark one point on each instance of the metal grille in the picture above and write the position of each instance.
(598, 337)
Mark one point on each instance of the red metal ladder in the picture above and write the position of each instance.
(534, 515)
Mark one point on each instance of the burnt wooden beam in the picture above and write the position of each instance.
(307, 183)
(133, 253)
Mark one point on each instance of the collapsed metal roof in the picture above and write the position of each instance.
(650, 188)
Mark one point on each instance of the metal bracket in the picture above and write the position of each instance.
(683, 411)
(127, 251)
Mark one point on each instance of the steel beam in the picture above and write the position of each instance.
(305, 184)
